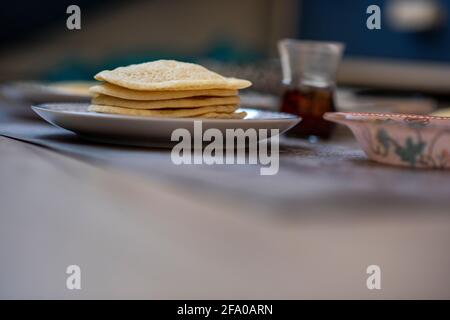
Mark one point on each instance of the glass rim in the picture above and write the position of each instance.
(336, 44)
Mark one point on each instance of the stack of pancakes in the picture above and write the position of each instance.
(167, 88)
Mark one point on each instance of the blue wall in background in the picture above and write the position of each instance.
(345, 21)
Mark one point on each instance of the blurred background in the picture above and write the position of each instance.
(341, 212)
(408, 58)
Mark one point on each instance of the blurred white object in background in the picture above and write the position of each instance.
(351, 100)
(415, 15)
(30, 92)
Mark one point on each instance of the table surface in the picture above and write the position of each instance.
(141, 227)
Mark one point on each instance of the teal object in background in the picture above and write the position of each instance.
(345, 21)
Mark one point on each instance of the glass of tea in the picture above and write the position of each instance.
(309, 78)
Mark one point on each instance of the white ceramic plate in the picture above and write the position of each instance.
(149, 131)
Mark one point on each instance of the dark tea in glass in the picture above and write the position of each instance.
(309, 72)
(310, 103)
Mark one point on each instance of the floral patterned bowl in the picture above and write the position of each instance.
(400, 139)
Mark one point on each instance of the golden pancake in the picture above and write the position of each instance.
(112, 90)
(217, 115)
(167, 113)
(164, 75)
(166, 104)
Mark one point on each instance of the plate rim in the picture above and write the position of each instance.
(44, 107)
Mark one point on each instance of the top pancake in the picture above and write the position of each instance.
(169, 75)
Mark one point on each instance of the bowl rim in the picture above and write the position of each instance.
(391, 119)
